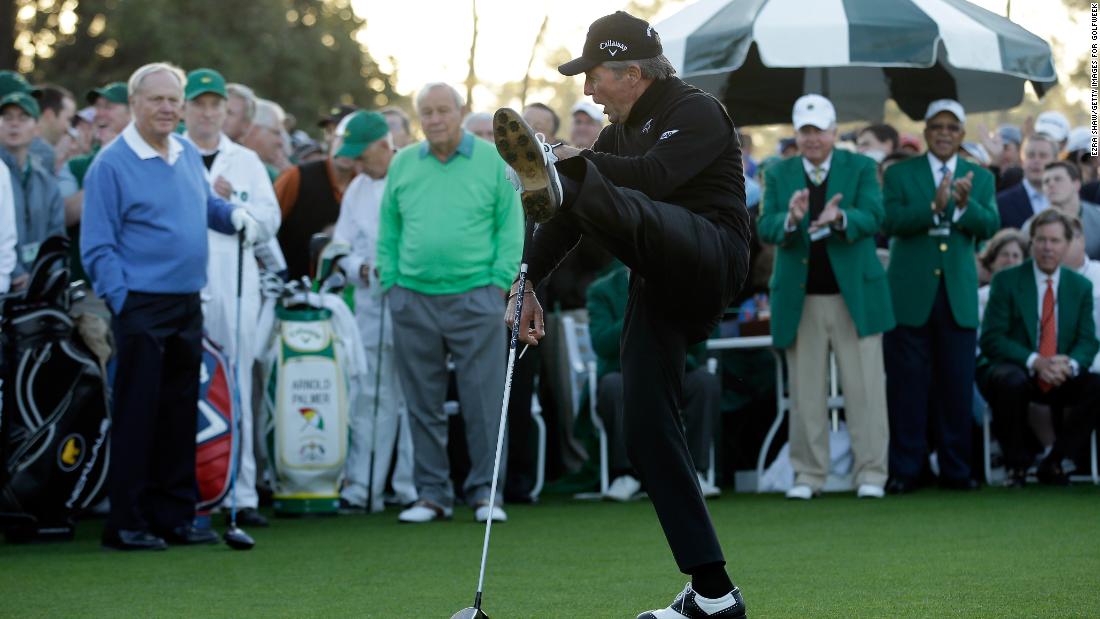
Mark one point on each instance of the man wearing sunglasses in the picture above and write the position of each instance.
(937, 208)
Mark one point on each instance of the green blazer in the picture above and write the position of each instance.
(606, 310)
(859, 274)
(1011, 322)
(918, 260)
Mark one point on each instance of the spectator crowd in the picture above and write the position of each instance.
(953, 276)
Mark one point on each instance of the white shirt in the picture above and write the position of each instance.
(252, 191)
(357, 224)
(937, 165)
(145, 151)
(937, 178)
(7, 229)
(842, 224)
(1039, 200)
(1041, 285)
(809, 167)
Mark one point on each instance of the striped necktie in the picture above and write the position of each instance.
(1048, 343)
(819, 175)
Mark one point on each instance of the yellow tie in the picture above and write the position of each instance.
(819, 175)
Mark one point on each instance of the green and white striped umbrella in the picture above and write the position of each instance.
(758, 56)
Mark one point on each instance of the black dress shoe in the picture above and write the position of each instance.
(685, 605)
(189, 535)
(1050, 473)
(965, 484)
(123, 539)
(248, 517)
(899, 485)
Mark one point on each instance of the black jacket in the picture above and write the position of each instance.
(678, 146)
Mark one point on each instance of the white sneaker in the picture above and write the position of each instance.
(481, 514)
(801, 492)
(709, 490)
(424, 511)
(623, 488)
(870, 491)
(532, 161)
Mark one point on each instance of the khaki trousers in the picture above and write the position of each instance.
(827, 324)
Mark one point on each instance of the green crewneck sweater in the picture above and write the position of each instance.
(447, 228)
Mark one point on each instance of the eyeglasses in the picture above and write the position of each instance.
(948, 127)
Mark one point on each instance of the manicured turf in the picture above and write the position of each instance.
(993, 553)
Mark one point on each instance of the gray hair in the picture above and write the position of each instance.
(247, 95)
(656, 68)
(475, 117)
(393, 110)
(144, 71)
(269, 114)
(459, 101)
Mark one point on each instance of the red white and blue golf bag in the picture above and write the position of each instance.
(54, 424)
(216, 434)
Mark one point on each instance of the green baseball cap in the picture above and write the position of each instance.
(24, 100)
(202, 81)
(13, 81)
(361, 129)
(115, 92)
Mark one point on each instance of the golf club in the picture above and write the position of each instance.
(475, 611)
(377, 394)
(234, 537)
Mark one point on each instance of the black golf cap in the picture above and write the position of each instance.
(619, 36)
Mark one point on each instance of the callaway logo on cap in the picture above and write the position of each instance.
(619, 36)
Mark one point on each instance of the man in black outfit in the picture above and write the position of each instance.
(662, 190)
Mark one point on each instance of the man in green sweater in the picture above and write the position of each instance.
(449, 243)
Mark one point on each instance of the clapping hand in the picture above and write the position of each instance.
(829, 214)
(943, 193)
(798, 206)
(961, 192)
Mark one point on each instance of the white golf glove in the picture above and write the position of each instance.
(242, 221)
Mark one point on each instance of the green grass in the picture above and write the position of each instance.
(994, 553)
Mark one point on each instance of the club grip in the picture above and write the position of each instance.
(520, 294)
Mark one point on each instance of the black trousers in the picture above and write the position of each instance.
(930, 366)
(1009, 390)
(156, 391)
(685, 270)
(702, 398)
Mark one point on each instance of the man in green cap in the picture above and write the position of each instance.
(112, 114)
(237, 175)
(40, 212)
(12, 81)
(367, 141)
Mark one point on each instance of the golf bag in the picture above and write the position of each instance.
(216, 434)
(306, 402)
(54, 424)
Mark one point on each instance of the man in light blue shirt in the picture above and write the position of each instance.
(147, 206)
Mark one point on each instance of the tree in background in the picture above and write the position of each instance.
(303, 54)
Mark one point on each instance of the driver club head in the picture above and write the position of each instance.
(237, 539)
(470, 613)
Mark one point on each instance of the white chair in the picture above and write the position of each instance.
(834, 402)
(582, 363)
(451, 408)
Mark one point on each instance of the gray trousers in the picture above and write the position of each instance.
(469, 326)
(699, 412)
